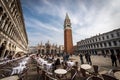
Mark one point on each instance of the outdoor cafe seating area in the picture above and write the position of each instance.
(70, 70)
(55, 68)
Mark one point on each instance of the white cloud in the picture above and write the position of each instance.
(88, 18)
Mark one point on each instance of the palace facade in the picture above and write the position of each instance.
(13, 36)
(105, 43)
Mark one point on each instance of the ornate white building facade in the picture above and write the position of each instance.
(13, 37)
(49, 48)
(105, 43)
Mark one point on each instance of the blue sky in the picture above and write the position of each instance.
(44, 19)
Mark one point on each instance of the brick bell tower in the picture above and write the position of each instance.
(68, 42)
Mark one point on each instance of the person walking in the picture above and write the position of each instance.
(81, 58)
(64, 56)
(89, 59)
(67, 56)
(113, 59)
(86, 57)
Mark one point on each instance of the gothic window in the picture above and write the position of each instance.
(93, 40)
(107, 37)
(4, 16)
(109, 43)
(101, 45)
(97, 45)
(112, 35)
(115, 43)
(1, 10)
(103, 37)
(96, 39)
(6, 24)
(105, 44)
(94, 46)
(99, 39)
(118, 34)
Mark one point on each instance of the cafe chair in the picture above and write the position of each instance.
(115, 70)
(73, 73)
(94, 78)
(24, 74)
(5, 72)
(49, 77)
(43, 72)
(2, 75)
(83, 72)
(108, 77)
(73, 77)
(95, 67)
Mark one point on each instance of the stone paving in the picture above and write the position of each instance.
(97, 60)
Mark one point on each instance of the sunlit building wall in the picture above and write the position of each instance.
(13, 37)
(105, 43)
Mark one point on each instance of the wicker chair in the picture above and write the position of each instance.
(83, 72)
(24, 74)
(49, 77)
(96, 72)
(5, 72)
(108, 77)
(94, 78)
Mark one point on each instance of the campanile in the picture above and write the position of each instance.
(68, 42)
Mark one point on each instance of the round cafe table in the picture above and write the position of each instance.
(86, 66)
(60, 71)
(117, 75)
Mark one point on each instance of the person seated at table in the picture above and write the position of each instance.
(64, 65)
(76, 66)
(37, 56)
(57, 63)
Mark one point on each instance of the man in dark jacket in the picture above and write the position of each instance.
(81, 58)
(113, 59)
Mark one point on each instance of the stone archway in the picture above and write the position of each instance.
(19, 54)
(6, 53)
(39, 51)
(2, 48)
(43, 51)
(52, 51)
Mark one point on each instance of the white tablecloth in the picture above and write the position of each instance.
(17, 70)
(60, 71)
(117, 75)
(42, 62)
(86, 66)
